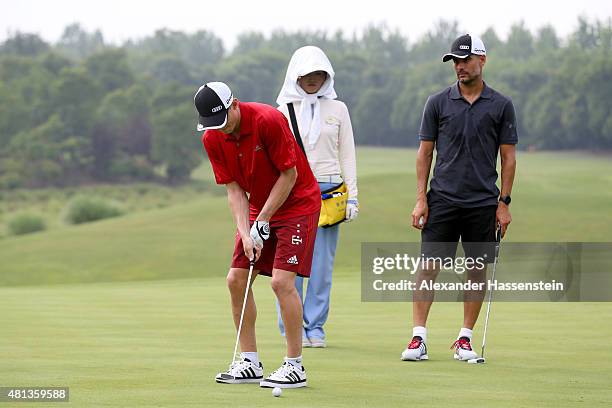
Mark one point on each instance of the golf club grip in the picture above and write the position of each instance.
(498, 234)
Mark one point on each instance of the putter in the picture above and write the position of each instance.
(246, 293)
(481, 359)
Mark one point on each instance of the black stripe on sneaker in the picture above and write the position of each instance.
(252, 372)
(295, 376)
(283, 382)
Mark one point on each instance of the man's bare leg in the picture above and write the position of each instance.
(473, 299)
(236, 282)
(283, 284)
(423, 299)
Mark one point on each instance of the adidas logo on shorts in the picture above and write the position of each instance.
(293, 260)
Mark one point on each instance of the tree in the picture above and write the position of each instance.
(29, 84)
(520, 42)
(14, 115)
(541, 114)
(249, 41)
(407, 108)
(27, 45)
(546, 40)
(122, 131)
(491, 40)
(49, 155)
(82, 110)
(257, 76)
(77, 43)
(597, 99)
(586, 34)
(371, 123)
(175, 143)
(75, 97)
(383, 46)
(349, 80)
(54, 62)
(169, 69)
(435, 42)
(110, 69)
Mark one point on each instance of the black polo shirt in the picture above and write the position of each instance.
(467, 142)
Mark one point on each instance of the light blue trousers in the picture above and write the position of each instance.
(316, 301)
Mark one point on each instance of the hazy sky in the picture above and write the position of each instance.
(122, 19)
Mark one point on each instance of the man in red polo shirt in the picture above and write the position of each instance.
(273, 197)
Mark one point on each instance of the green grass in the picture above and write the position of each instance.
(160, 344)
(52, 203)
(134, 312)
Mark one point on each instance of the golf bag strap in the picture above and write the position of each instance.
(294, 125)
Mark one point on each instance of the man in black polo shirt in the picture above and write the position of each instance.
(468, 123)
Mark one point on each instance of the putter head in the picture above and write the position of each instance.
(478, 360)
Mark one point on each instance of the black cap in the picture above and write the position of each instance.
(212, 101)
(465, 45)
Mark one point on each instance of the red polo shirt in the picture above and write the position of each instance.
(265, 147)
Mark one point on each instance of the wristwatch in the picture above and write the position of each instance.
(505, 199)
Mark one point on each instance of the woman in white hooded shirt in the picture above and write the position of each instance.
(325, 129)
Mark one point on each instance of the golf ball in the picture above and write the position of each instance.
(277, 392)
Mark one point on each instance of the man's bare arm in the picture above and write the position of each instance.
(279, 194)
(508, 168)
(423, 167)
(239, 205)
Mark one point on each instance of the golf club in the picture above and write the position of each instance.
(246, 293)
(481, 359)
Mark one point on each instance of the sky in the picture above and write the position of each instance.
(120, 20)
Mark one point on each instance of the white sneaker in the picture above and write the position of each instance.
(287, 376)
(416, 350)
(241, 372)
(306, 342)
(317, 343)
(463, 349)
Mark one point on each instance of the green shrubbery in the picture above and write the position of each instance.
(84, 209)
(26, 223)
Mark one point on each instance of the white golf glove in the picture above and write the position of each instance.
(260, 231)
(352, 209)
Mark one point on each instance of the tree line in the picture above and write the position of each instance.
(83, 110)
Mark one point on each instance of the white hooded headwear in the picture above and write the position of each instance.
(304, 61)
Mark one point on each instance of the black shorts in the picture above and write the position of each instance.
(447, 223)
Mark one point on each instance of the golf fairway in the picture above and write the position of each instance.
(134, 311)
(160, 344)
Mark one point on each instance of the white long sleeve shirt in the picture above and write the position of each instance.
(334, 152)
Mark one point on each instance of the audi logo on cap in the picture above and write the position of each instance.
(217, 108)
(464, 47)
